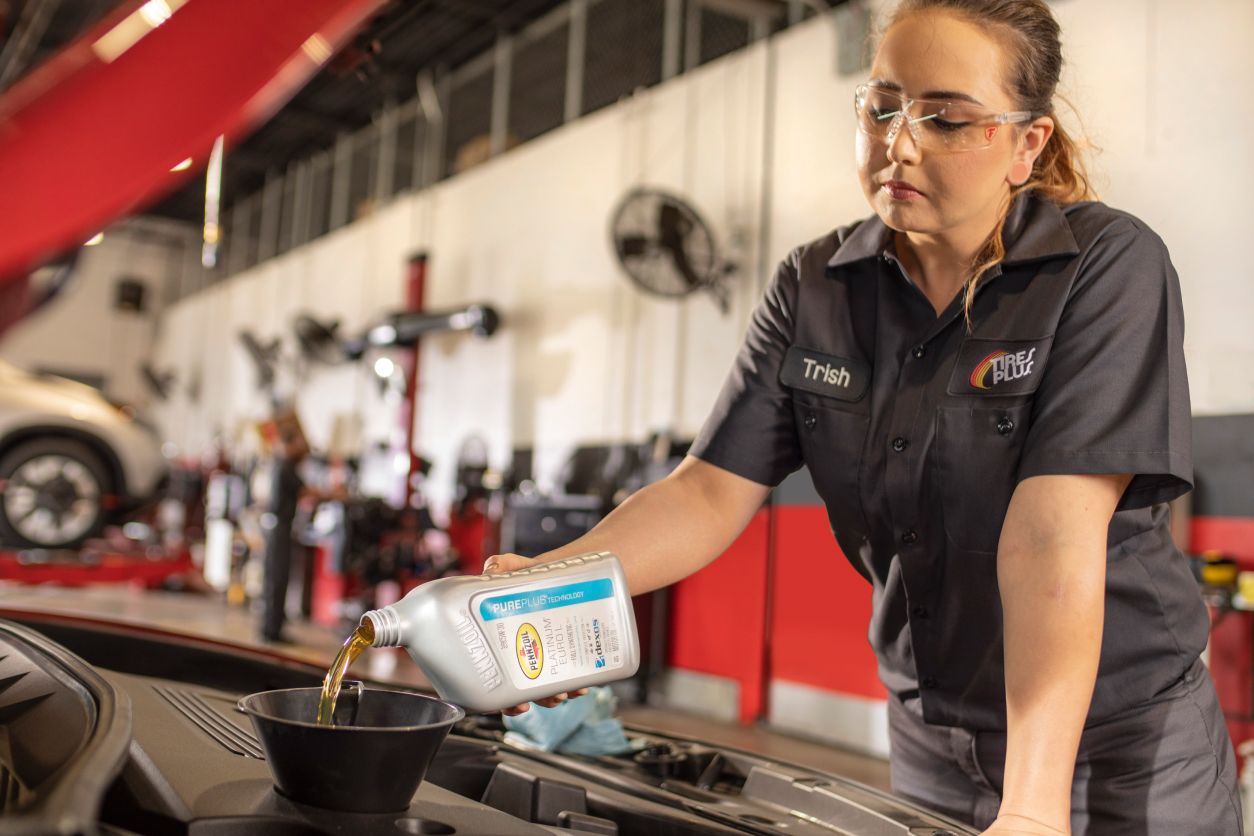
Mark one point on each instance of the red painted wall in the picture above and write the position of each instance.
(718, 617)
(821, 609)
(813, 632)
(1234, 536)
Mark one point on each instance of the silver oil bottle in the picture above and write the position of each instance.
(491, 641)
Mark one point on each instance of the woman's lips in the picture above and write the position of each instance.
(898, 190)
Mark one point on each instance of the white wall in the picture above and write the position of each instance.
(585, 358)
(1163, 90)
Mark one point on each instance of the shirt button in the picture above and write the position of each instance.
(920, 612)
(811, 420)
(909, 536)
(900, 444)
(918, 352)
(928, 682)
(1005, 426)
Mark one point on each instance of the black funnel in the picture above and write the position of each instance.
(371, 761)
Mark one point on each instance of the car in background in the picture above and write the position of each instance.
(69, 460)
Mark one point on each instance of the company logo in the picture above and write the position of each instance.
(827, 373)
(530, 651)
(1001, 366)
(597, 647)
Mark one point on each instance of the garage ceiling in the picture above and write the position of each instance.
(380, 66)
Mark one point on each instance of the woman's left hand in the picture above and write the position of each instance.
(1011, 825)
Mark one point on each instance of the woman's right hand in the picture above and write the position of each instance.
(496, 564)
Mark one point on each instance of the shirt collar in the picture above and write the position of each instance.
(1036, 229)
(869, 239)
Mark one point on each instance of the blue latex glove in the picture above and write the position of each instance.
(582, 726)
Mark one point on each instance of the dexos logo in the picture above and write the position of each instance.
(530, 651)
(597, 649)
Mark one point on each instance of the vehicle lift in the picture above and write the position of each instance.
(96, 562)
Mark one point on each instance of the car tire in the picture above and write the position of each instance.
(53, 494)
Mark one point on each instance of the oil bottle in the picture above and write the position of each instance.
(491, 641)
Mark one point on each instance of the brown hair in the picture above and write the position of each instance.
(1031, 37)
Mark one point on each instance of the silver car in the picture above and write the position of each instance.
(69, 459)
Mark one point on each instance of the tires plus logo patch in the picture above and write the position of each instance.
(1001, 366)
(530, 651)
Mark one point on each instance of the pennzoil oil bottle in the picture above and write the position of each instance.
(491, 641)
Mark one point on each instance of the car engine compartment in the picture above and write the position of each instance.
(118, 730)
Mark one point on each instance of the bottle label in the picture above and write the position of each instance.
(555, 633)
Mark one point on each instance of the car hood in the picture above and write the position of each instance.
(63, 389)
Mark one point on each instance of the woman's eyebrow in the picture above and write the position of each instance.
(930, 94)
(951, 94)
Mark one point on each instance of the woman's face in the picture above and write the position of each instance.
(934, 192)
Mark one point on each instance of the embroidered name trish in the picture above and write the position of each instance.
(810, 370)
(1001, 366)
(827, 373)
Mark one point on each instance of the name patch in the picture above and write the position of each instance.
(999, 367)
(825, 374)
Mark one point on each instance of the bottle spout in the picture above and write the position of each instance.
(387, 627)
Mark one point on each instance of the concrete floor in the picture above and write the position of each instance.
(209, 616)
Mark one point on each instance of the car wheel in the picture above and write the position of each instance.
(53, 495)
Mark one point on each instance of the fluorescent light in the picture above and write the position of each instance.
(183, 166)
(384, 367)
(156, 12)
(317, 48)
(132, 28)
(94, 240)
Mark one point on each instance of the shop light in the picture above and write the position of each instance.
(132, 29)
(381, 335)
(317, 48)
(156, 12)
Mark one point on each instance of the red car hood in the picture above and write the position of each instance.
(92, 134)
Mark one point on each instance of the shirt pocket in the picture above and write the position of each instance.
(832, 441)
(979, 448)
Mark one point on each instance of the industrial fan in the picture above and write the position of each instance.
(160, 384)
(319, 341)
(265, 357)
(666, 248)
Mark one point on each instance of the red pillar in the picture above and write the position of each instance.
(415, 291)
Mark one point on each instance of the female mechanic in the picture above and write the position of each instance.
(986, 381)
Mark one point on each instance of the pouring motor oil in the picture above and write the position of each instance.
(492, 641)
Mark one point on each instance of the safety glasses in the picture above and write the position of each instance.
(938, 125)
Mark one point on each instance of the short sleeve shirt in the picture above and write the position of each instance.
(916, 430)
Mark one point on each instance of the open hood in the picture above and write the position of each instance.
(164, 751)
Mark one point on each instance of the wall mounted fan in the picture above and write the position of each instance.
(666, 247)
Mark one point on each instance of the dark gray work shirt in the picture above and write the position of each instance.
(916, 432)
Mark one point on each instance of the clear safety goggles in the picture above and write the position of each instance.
(942, 125)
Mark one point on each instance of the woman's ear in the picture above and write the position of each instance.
(1030, 145)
